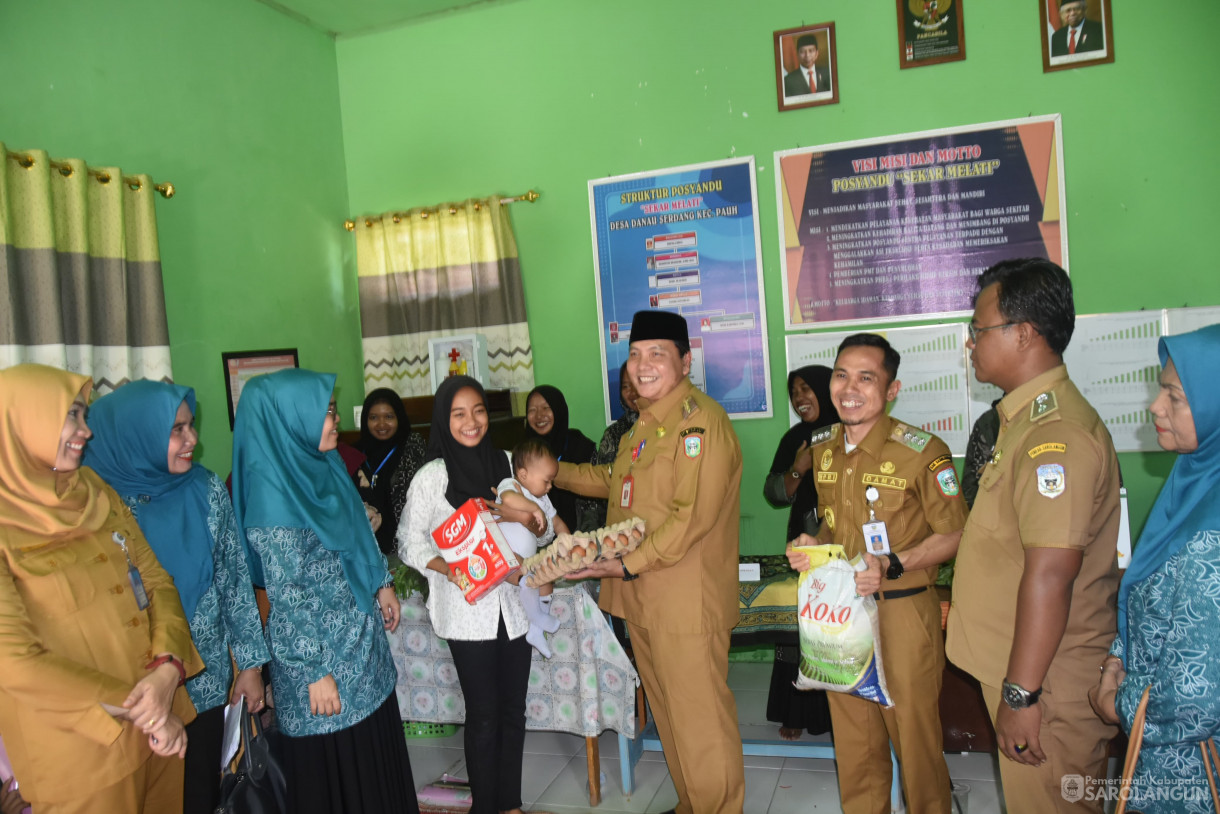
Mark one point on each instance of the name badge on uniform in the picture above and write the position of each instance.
(133, 573)
(137, 586)
(876, 538)
(628, 487)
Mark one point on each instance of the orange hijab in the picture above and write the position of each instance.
(34, 402)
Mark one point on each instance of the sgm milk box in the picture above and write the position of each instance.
(475, 549)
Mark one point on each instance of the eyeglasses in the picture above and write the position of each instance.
(974, 332)
(333, 412)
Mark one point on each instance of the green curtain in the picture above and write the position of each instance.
(437, 272)
(80, 271)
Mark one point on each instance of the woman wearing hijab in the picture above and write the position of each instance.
(143, 447)
(309, 541)
(487, 639)
(591, 512)
(1169, 599)
(93, 641)
(393, 454)
(790, 483)
(546, 417)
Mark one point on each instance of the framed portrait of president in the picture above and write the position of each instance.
(806, 66)
(1076, 33)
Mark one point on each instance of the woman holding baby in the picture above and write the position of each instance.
(486, 639)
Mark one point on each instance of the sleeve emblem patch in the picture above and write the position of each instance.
(693, 445)
(1051, 480)
(946, 479)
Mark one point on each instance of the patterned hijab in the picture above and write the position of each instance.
(131, 433)
(1189, 501)
(473, 471)
(34, 402)
(281, 479)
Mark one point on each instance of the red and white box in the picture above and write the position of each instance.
(475, 549)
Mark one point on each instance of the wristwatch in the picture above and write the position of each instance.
(895, 570)
(1017, 697)
(627, 575)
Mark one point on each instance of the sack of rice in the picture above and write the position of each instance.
(840, 648)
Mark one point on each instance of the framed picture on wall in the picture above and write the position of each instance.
(930, 32)
(242, 366)
(806, 66)
(1075, 33)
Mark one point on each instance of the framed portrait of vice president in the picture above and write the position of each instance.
(1076, 33)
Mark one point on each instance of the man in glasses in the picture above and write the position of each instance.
(1033, 611)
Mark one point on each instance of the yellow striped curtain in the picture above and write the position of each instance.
(436, 272)
(80, 271)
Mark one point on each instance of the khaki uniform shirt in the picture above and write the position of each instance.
(686, 487)
(1052, 483)
(918, 492)
(71, 638)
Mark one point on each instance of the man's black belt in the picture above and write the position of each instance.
(902, 593)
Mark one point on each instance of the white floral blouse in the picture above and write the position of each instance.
(452, 616)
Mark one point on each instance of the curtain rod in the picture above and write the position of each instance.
(27, 161)
(529, 197)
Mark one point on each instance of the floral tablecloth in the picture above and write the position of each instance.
(587, 686)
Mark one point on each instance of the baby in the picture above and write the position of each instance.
(535, 467)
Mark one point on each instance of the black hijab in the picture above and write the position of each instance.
(806, 498)
(382, 456)
(473, 471)
(557, 438)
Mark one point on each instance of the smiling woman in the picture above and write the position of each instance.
(546, 417)
(310, 542)
(487, 639)
(1169, 600)
(185, 511)
(93, 642)
(394, 452)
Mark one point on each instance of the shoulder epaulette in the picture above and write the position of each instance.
(911, 437)
(824, 434)
(689, 407)
(1043, 405)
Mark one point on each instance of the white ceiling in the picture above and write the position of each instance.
(341, 18)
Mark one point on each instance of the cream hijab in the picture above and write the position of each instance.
(34, 402)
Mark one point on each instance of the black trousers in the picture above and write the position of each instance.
(494, 676)
(201, 783)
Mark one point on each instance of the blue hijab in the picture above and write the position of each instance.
(1189, 501)
(281, 479)
(130, 450)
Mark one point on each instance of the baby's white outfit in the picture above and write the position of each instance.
(524, 544)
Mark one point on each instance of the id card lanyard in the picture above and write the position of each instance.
(133, 573)
(629, 479)
(373, 482)
(876, 538)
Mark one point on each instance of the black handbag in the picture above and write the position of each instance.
(253, 782)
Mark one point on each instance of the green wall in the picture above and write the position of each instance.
(269, 129)
(551, 93)
(238, 106)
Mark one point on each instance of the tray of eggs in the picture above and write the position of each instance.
(580, 549)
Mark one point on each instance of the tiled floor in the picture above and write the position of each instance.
(556, 779)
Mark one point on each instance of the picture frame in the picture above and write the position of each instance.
(241, 366)
(458, 355)
(930, 32)
(792, 88)
(1092, 42)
